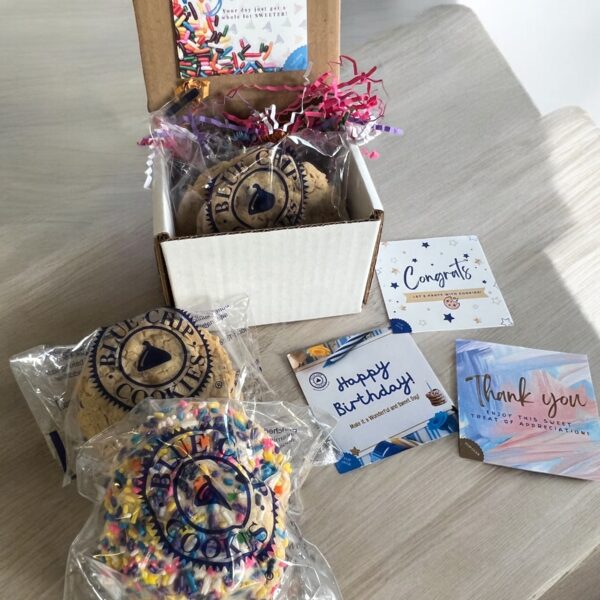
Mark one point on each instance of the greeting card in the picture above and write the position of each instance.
(439, 284)
(527, 409)
(380, 390)
(222, 37)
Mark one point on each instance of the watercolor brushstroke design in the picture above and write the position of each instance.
(439, 284)
(528, 409)
(230, 37)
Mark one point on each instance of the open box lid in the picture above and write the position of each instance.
(158, 38)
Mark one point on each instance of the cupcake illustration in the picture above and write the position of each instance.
(436, 397)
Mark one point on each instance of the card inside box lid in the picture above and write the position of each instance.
(156, 33)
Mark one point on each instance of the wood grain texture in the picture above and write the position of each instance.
(477, 158)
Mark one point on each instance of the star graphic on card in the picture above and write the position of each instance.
(453, 242)
(448, 317)
(394, 284)
(425, 244)
(477, 320)
(483, 281)
(466, 255)
(477, 261)
(506, 321)
(355, 451)
(395, 271)
(414, 260)
(496, 300)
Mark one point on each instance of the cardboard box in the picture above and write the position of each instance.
(290, 274)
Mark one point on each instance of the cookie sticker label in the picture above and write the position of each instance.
(261, 191)
(222, 513)
(161, 354)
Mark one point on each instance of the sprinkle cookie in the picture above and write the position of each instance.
(196, 507)
(162, 354)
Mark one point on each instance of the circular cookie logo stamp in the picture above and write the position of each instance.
(318, 381)
(160, 354)
(221, 513)
(264, 189)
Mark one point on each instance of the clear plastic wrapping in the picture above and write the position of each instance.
(221, 180)
(75, 392)
(298, 180)
(193, 501)
(47, 376)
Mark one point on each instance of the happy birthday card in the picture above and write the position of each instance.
(380, 390)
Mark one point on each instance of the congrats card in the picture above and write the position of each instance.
(527, 409)
(223, 37)
(439, 284)
(381, 391)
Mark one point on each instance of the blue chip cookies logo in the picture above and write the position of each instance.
(318, 381)
(161, 354)
(262, 190)
(222, 512)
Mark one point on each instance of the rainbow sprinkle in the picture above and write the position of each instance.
(205, 50)
(196, 506)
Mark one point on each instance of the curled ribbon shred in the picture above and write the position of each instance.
(326, 104)
(352, 106)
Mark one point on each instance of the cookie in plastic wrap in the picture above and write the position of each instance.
(163, 353)
(197, 506)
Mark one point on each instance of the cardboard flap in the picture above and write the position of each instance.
(360, 185)
(156, 33)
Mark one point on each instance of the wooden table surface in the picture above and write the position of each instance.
(477, 158)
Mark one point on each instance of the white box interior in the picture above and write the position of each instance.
(290, 274)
